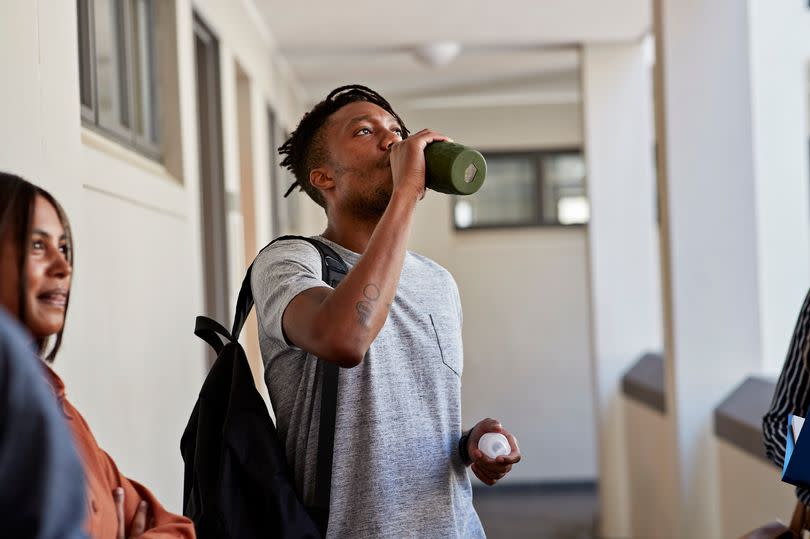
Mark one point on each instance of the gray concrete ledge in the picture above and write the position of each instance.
(738, 419)
(537, 487)
(644, 382)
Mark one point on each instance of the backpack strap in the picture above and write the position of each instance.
(210, 331)
(333, 270)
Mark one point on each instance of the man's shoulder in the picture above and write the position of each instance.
(293, 248)
(425, 264)
(292, 256)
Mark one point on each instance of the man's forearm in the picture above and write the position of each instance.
(359, 306)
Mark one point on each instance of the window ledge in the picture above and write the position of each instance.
(154, 188)
(511, 227)
(738, 419)
(644, 382)
(98, 141)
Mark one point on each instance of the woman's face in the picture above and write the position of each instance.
(47, 277)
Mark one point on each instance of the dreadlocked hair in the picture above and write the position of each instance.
(306, 148)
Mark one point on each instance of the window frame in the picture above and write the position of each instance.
(213, 197)
(87, 67)
(125, 135)
(275, 172)
(536, 156)
(152, 91)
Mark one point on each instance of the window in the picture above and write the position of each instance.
(285, 216)
(276, 191)
(536, 188)
(212, 176)
(117, 71)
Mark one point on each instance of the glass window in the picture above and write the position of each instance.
(527, 189)
(85, 54)
(112, 99)
(117, 66)
(276, 190)
(564, 199)
(143, 62)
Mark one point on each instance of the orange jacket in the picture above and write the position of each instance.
(103, 478)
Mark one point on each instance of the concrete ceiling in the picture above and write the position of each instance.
(512, 50)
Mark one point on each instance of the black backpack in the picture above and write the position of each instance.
(237, 481)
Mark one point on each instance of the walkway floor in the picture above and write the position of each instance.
(565, 512)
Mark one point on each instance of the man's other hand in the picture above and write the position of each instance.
(488, 470)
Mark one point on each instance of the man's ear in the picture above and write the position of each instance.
(321, 179)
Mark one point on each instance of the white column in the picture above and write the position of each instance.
(714, 241)
(623, 249)
(780, 59)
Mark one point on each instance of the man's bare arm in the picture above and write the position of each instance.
(339, 325)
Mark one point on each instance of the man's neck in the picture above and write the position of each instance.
(353, 234)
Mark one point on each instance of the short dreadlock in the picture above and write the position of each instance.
(305, 149)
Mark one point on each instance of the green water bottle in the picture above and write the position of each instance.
(454, 169)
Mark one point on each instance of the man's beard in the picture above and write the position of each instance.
(371, 205)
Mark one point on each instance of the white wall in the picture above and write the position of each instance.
(623, 248)
(130, 361)
(780, 55)
(751, 492)
(731, 121)
(525, 299)
(709, 259)
(653, 487)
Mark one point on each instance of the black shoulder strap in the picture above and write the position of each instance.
(333, 270)
(211, 332)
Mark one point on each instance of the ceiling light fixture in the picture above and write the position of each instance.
(438, 53)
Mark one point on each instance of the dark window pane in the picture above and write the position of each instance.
(564, 198)
(85, 53)
(143, 60)
(112, 100)
(275, 189)
(527, 189)
(118, 70)
(508, 196)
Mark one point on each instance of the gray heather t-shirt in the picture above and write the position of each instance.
(396, 469)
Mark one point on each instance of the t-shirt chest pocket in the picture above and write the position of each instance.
(447, 333)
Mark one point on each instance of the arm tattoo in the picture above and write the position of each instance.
(372, 292)
(364, 312)
(365, 307)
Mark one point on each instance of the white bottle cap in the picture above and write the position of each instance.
(494, 444)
